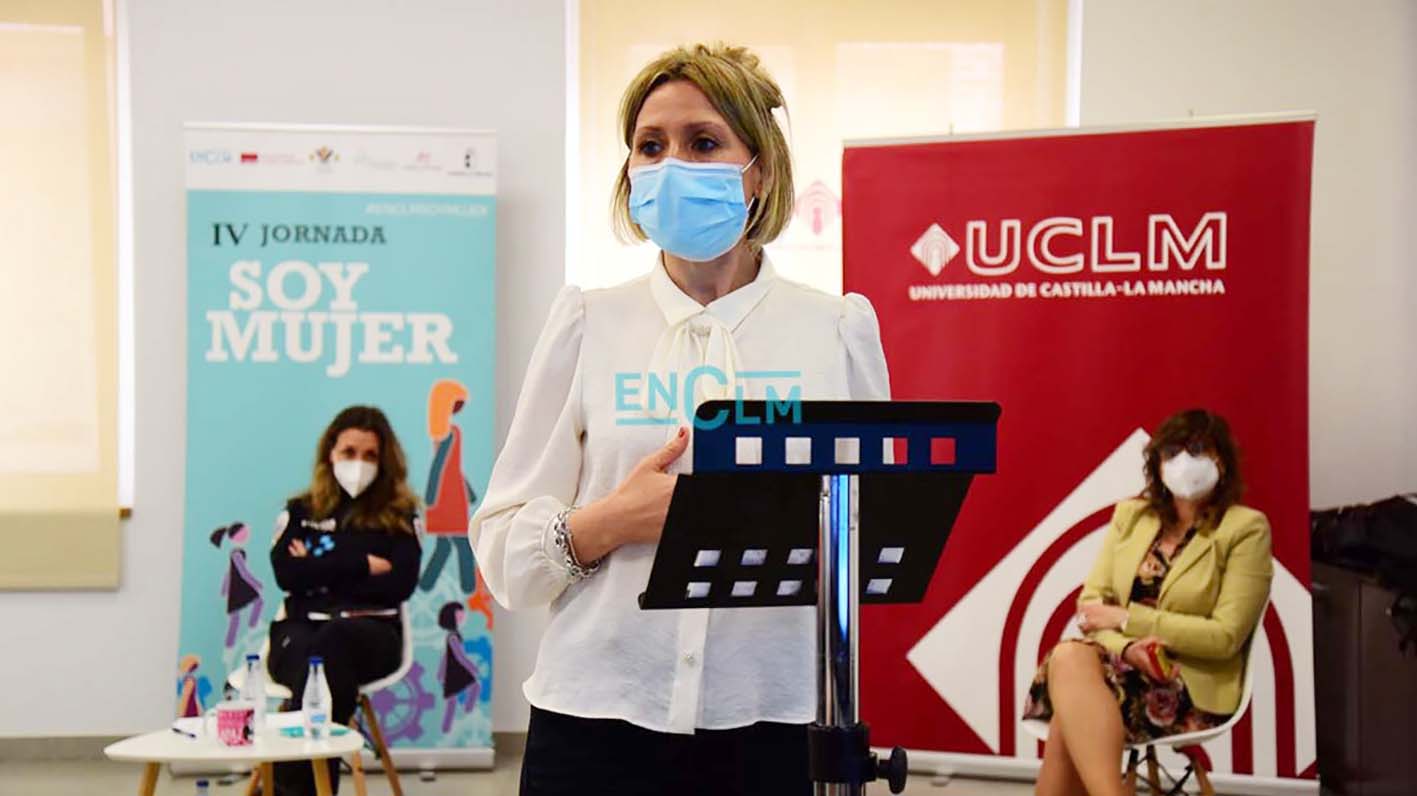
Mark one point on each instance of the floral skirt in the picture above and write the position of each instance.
(1150, 710)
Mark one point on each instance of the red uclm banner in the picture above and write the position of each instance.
(1092, 284)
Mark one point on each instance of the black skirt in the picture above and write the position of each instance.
(571, 756)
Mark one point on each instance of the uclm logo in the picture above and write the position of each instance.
(1062, 245)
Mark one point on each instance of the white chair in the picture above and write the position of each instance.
(375, 732)
(1187, 744)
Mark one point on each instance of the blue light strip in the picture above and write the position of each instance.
(715, 446)
(841, 531)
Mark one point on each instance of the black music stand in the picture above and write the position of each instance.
(831, 503)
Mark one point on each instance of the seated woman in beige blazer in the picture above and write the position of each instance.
(1167, 610)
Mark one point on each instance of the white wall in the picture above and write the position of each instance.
(1355, 63)
(103, 663)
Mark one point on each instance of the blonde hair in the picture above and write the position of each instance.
(745, 95)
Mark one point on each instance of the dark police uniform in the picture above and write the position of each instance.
(336, 609)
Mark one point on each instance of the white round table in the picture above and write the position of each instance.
(269, 746)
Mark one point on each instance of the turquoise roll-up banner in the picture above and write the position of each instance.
(328, 267)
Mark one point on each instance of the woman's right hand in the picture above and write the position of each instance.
(378, 566)
(1136, 655)
(632, 514)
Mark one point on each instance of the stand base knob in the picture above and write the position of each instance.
(894, 770)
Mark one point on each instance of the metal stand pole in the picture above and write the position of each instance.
(841, 761)
(837, 611)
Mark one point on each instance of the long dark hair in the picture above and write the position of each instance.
(388, 503)
(1188, 428)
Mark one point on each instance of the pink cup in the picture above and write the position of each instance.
(235, 723)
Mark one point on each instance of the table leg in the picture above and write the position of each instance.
(322, 777)
(149, 783)
(357, 763)
(268, 779)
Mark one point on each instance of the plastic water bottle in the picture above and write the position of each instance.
(253, 689)
(202, 788)
(315, 703)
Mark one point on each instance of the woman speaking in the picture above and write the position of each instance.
(1167, 610)
(651, 702)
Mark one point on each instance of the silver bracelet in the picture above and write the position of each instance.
(561, 537)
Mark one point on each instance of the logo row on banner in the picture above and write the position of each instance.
(379, 160)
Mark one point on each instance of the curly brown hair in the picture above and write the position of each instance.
(1190, 429)
(388, 503)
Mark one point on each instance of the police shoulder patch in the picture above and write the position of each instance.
(282, 520)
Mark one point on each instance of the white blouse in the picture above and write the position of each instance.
(600, 395)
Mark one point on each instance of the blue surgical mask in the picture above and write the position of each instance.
(691, 210)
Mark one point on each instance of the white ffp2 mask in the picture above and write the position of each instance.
(1190, 477)
(355, 476)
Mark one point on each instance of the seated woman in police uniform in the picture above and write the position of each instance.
(346, 552)
(1168, 611)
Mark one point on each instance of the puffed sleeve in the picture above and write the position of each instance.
(537, 472)
(860, 333)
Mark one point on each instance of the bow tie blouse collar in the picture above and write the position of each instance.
(698, 335)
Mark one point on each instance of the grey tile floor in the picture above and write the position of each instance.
(102, 778)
